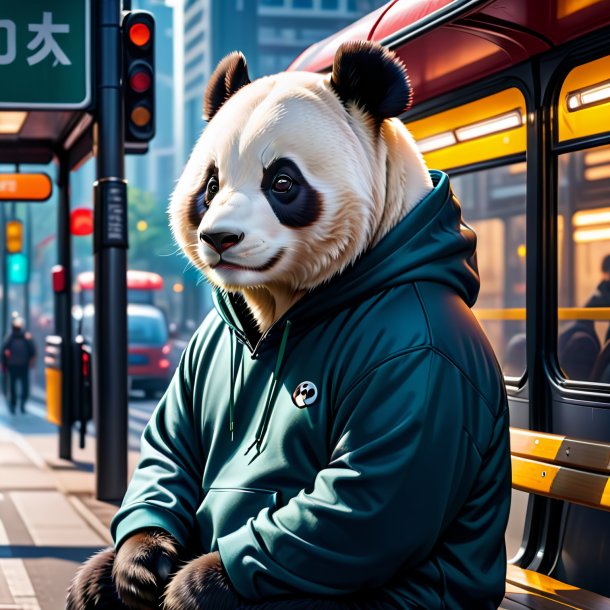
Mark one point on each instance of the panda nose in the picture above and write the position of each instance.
(221, 241)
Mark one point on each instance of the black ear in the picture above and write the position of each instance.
(371, 77)
(230, 75)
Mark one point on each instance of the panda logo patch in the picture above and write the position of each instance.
(305, 394)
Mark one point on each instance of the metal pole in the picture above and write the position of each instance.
(63, 308)
(28, 250)
(3, 328)
(12, 216)
(110, 259)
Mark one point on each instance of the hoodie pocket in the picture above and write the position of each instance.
(226, 509)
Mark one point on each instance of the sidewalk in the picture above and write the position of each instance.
(50, 521)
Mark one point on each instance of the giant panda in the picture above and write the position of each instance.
(336, 434)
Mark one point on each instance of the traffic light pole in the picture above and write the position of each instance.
(5, 286)
(63, 307)
(110, 260)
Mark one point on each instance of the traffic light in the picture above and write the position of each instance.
(14, 236)
(138, 77)
(18, 272)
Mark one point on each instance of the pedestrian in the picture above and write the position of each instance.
(18, 356)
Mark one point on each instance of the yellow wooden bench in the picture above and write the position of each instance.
(565, 469)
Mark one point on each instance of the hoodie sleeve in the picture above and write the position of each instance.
(401, 466)
(165, 489)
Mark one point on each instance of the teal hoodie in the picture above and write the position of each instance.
(396, 477)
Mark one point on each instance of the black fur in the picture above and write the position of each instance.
(202, 584)
(133, 578)
(373, 78)
(301, 206)
(142, 568)
(93, 587)
(230, 75)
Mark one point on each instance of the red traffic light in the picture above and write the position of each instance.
(140, 81)
(81, 221)
(139, 34)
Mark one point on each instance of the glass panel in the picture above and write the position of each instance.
(493, 204)
(584, 264)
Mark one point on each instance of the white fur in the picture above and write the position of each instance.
(369, 179)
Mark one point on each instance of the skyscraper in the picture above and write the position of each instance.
(270, 33)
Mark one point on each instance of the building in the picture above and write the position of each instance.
(271, 34)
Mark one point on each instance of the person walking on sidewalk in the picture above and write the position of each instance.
(18, 355)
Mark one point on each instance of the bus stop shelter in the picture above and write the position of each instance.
(61, 102)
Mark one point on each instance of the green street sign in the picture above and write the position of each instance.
(45, 54)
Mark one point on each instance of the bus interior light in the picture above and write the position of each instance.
(590, 96)
(599, 172)
(589, 235)
(587, 219)
(502, 122)
(440, 140)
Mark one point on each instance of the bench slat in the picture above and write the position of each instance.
(586, 488)
(560, 450)
(563, 595)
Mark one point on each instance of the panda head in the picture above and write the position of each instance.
(297, 174)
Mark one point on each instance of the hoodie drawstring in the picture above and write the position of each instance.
(271, 395)
(235, 362)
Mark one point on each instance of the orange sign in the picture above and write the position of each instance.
(25, 187)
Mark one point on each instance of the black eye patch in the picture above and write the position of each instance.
(293, 200)
(202, 198)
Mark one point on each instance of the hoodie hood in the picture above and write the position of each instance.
(431, 243)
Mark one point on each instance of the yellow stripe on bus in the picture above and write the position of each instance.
(532, 476)
(601, 314)
(535, 444)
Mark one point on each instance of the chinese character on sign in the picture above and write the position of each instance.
(44, 39)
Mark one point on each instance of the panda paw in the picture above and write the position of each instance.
(202, 584)
(93, 587)
(142, 568)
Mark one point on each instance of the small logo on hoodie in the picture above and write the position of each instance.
(305, 394)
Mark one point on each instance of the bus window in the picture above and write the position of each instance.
(584, 264)
(493, 204)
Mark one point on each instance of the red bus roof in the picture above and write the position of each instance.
(136, 280)
(447, 44)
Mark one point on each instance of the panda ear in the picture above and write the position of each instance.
(371, 77)
(230, 75)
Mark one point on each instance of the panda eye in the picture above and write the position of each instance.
(282, 184)
(206, 194)
(212, 188)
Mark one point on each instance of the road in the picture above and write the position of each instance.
(140, 410)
